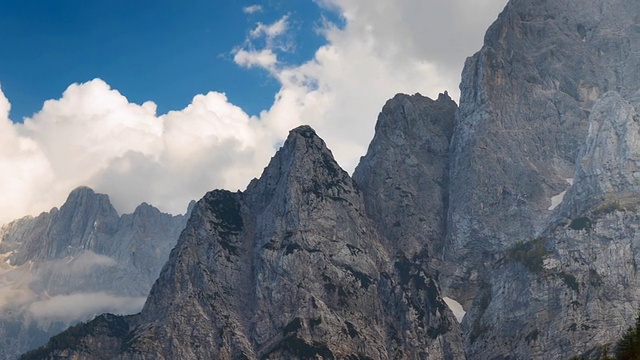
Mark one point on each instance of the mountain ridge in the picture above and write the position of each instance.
(521, 203)
(75, 262)
(242, 252)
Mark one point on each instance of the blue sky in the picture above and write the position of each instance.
(161, 101)
(161, 50)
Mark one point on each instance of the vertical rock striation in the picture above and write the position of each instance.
(573, 290)
(290, 268)
(404, 175)
(525, 100)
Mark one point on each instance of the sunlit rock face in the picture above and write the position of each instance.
(405, 174)
(289, 268)
(574, 289)
(525, 101)
(520, 205)
(73, 263)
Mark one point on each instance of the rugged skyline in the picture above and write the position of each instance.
(107, 135)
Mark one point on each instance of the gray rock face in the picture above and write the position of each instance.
(609, 165)
(290, 268)
(575, 289)
(306, 264)
(75, 262)
(525, 100)
(404, 175)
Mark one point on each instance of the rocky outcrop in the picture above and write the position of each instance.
(525, 100)
(290, 268)
(72, 263)
(574, 289)
(508, 210)
(405, 174)
(608, 169)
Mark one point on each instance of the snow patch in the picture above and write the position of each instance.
(556, 200)
(455, 307)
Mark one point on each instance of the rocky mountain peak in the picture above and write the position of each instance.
(303, 164)
(290, 268)
(85, 209)
(410, 108)
(79, 224)
(82, 198)
(144, 210)
(303, 149)
(404, 175)
(524, 112)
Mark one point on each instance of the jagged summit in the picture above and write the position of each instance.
(303, 164)
(80, 191)
(85, 196)
(304, 131)
(289, 268)
(404, 174)
(303, 143)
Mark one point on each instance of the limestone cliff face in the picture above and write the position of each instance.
(525, 100)
(574, 289)
(73, 263)
(290, 268)
(523, 206)
(405, 174)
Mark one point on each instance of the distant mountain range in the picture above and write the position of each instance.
(76, 262)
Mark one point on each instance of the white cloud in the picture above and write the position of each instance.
(275, 39)
(22, 291)
(82, 306)
(251, 58)
(94, 136)
(270, 31)
(384, 48)
(252, 9)
(81, 263)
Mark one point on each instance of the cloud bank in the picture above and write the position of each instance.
(92, 135)
(69, 308)
(21, 291)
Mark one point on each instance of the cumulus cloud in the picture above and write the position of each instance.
(264, 58)
(92, 135)
(252, 9)
(384, 48)
(74, 307)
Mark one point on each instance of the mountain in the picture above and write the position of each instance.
(405, 174)
(72, 263)
(289, 268)
(525, 101)
(574, 289)
(546, 268)
(521, 203)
